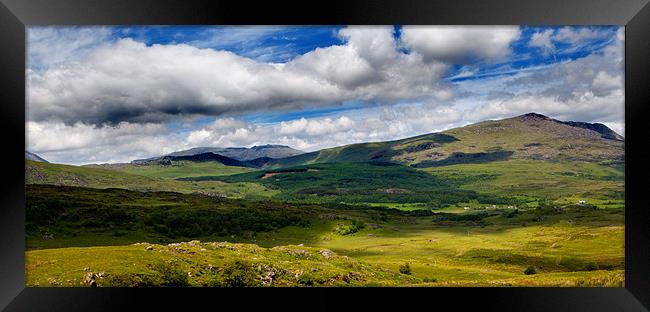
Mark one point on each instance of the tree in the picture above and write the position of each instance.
(530, 270)
(405, 269)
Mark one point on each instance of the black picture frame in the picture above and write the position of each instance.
(15, 15)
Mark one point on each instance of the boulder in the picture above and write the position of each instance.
(326, 253)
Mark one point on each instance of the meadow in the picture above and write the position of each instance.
(539, 236)
(524, 201)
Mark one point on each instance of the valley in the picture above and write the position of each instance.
(524, 201)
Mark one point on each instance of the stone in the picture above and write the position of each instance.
(326, 253)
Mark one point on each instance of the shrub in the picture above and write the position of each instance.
(239, 274)
(429, 280)
(405, 269)
(572, 264)
(171, 274)
(530, 270)
(307, 280)
(350, 229)
(512, 213)
(591, 266)
(127, 280)
(165, 274)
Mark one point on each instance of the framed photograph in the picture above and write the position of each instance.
(488, 154)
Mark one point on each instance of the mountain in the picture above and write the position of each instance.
(204, 157)
(604, 131)
(530, 136)
(34, 157)
(236, 153)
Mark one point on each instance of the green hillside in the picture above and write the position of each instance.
(527, 137)
(180, 169)
(202, 264)
(371, 182)
(146, 179)
(362, 152)
(524, 201)
(543, 179)
(571, 246)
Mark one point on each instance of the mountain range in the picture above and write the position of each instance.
(237, 155)
(530, 136)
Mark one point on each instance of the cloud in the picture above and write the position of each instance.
(83, 143)
(369, 124)
(587, 89)
(316, 127)
(571, 39)
(129, 81)
(580, 107)
(113, 102)
(49, 46)
(460, 43)
(575, 35)
(543, 40)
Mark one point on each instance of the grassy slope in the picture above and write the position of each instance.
(360, 183)
(200, 264)
(205, 264)
(362, 152)
(527, 138)
(495, 250)
(180, 169)
(522, 181)
(544, 179)
(56, 174)
(466, 254)
(59, 216)
(549, 161)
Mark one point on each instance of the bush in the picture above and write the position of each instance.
(530, 270)
(239, 274)
(429, 280)
(512, 213)
(127, 280)
(405, 269)
(165, 274)
(591, 266)
(306, 279)
(171, 274)
(572, 264)
(350, 229)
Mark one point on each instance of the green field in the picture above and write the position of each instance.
(575, 246)
(543, 179)
(181, 169)
(516, 202)
(55, 174)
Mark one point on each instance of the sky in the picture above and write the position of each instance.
(114, 94)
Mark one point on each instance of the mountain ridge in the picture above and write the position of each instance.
(206, 157)
(528, 136)
(236, 153)
(31, 156)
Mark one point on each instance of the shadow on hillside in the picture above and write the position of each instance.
(466, 158)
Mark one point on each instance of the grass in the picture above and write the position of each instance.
(201, 264)
(543, 179)
(573, 247)
(56, 174)
(373, 182)
(527, 140)
(511, 220)
(87, 216)
(181, 169)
